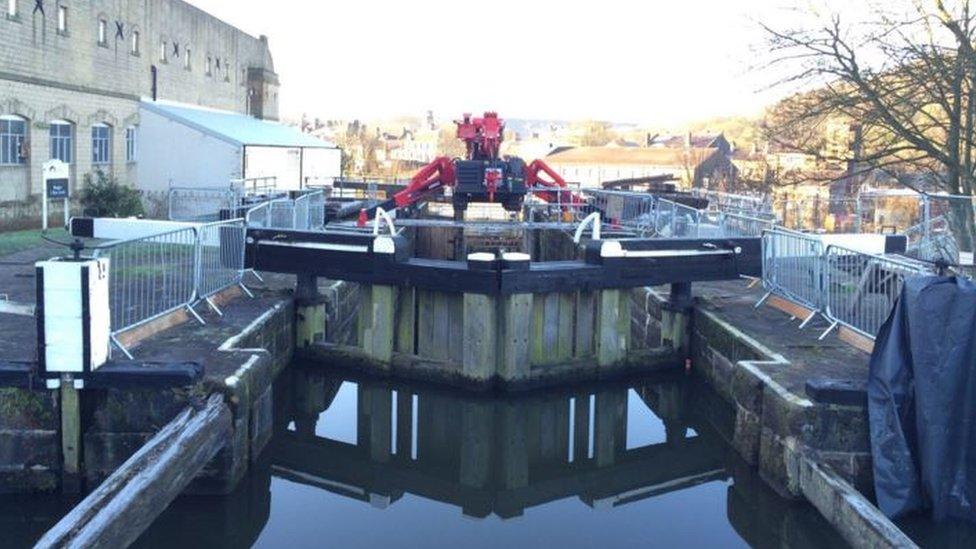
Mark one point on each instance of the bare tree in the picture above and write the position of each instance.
(905, 78)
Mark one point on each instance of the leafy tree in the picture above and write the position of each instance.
(106, 197)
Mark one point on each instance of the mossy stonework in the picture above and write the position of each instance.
(29, 441)
(241, 357)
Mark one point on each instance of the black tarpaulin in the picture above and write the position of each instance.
(922, 401)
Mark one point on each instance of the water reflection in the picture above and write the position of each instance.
(363, 462)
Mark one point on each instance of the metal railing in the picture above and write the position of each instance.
(860, 289)
(847, 287)
(257, 185)
(152, 276)
(627, 209)
(282, 214)
(220, 258)
(300, 213)
(792, 267)
(201, 203)
(259, 215)
(737, 225)
(754, 206)
(651, 215)
(316, 210)
(675, 220)
(933, 240)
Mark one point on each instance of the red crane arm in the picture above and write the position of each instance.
(561, 192)
(432, 177)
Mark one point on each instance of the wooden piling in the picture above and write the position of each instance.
(310, 314)
(613, 327)
(552, 328)
(376, 322)
(406, 322)
(70, 436)
(676, 319)
(515, 328)
(480, 337)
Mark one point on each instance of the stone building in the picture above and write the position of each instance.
(593, 166)
(73, 72)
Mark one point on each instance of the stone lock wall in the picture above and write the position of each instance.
(774, 427)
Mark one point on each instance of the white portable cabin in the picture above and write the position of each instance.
(189, 146)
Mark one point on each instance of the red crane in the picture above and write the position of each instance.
(484, 176)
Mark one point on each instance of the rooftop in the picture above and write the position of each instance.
(236, 128)
(631, 156)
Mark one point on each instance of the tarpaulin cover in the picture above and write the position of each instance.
(922, 401)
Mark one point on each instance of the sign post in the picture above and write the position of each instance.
(56, 187)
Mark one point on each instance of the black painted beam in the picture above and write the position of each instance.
(644, 262)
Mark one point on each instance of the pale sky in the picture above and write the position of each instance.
(647, 61)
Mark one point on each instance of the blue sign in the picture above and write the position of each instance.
(57, 188)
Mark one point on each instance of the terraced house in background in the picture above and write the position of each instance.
(73, 73)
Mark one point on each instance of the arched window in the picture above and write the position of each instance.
(101, 144)
(12, 9)
(134, 46)
(13, 135)
(62, 140)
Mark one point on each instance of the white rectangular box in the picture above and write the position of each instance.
(73, 314)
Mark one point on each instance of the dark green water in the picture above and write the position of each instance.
(376, 464)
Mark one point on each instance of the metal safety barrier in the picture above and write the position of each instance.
(847, 287)
(860, 289)
(675, 220)
(753, 206)
(300, 213)
(152, 276)
(627, 209)
(744, 226)
(933, 240)
(316, 210)
(259, 216)
(220, 259)
(282, 214)
(792, 268)
(201, 203)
